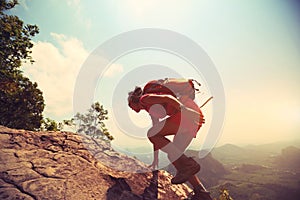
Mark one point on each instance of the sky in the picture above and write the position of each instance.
(254, 46)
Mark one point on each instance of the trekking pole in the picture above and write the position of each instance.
(210, 98)
(196, 81)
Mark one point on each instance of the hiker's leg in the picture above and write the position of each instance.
(170, 126)
(182, 141)
(157, 136)
(195, 182)
(186, 167)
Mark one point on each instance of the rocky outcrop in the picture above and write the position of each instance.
(64, 165)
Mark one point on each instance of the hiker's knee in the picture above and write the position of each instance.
(153, 135)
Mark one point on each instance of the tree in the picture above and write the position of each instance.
(15, 38)
(91, 123)
(21, 102)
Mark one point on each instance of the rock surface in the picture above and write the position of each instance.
(64, 165)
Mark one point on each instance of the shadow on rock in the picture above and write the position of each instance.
(122, 191)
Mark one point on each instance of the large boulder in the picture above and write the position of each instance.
(65, 165)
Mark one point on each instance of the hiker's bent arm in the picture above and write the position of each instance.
(168, 99)
(159, 99)
(154, 164)
(155, 120)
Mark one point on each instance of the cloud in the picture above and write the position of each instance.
(55, 70)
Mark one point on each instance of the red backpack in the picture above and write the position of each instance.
(172, 86)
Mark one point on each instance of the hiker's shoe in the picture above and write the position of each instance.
(190, 168)
(201, 195)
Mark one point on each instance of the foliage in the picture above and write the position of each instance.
(15, 38)
(224, 195)
(91, 123)
(21, 102)
(50, 125)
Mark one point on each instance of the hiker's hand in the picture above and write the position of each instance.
(154, 164)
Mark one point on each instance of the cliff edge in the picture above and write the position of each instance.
(65, 165)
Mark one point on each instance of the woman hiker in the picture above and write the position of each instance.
(170, 116)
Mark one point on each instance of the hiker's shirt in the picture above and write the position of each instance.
(188, 122)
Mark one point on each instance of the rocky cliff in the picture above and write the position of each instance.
(64, 165)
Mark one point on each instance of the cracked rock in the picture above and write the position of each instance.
(63, 165)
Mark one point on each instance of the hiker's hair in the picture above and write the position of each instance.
(134, 96)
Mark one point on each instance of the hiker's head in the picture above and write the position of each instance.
(134, 99)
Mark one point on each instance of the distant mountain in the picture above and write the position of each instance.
(229, 149)
(230, 154)
(268, 172)
(275, 147)
(289, 158)
(249, 168)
